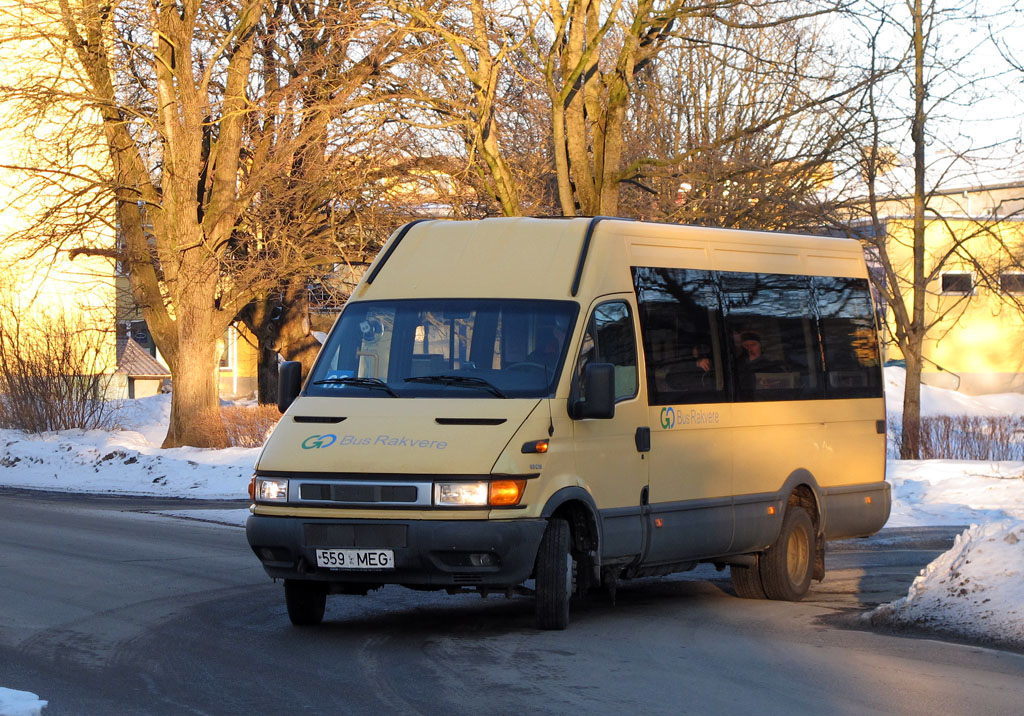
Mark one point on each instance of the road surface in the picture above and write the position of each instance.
(104, 610)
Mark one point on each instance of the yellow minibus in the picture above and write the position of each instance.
(556, 405)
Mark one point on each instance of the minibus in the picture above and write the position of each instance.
(551, 406)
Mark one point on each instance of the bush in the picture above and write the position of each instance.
(965, 437)
(249, 425)
(52, 375)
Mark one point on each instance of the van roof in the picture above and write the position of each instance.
(545, 258)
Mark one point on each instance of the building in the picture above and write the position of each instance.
(976, 301)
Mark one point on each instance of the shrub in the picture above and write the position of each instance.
(52, 375)
(249, 425)
(965, 437)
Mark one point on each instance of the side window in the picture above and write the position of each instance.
(849, 340)
(681, 327)
(774, 340)
(609, 338)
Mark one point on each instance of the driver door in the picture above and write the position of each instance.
(608, 455)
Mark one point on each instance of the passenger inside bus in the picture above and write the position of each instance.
(752, 363)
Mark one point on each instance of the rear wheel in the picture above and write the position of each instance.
(747, 581)
(554, 576)
(786, 567)
(306, 601)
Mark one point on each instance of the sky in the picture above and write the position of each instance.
(975, 589)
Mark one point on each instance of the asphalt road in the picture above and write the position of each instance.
(104, 610)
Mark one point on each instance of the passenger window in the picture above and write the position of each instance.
(774, 340)
(609, 338)
(680, 323)
(848, 336)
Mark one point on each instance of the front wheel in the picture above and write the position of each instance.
(787, 566)
(305, 600)
(554, 576)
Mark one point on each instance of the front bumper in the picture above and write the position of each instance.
(428, 553)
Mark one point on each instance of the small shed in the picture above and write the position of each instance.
(145, 373)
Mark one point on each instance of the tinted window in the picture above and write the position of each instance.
(772, 336)
(609, 338)
(680, 322)
(848, 337)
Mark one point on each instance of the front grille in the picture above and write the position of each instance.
(359, 493)
(463, 578)
(355, 535)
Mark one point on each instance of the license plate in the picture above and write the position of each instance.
(355, 558)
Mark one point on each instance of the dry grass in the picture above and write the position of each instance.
(249, 425)
(966, 437)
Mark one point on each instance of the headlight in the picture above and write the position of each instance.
(271, 490)
(497, 493)
(460, 494)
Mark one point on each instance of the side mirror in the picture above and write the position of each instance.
(598, 393)
(289, 383)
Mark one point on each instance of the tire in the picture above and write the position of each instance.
(787, 566)
(553, 574)
(746, 581)
(306, 601)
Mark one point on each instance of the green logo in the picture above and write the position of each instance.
(319, 441)
(668, 418)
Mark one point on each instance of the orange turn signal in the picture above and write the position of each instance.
(252, 489)
(771, 509)
(867, 500)
(535, 446)
(506, 493)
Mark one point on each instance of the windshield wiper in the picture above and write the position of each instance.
(467, 381)
(361, 382)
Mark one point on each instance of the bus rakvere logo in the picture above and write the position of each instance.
(685, 418)
(668, 418)
(318, 441)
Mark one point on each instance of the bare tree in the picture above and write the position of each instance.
(590, 54)
(477, 98)
(199, 122)
(941, 82)
(737, 126)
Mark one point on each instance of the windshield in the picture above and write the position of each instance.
(455, 348)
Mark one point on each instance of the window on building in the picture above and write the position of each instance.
(1011, 282)
(961, 284)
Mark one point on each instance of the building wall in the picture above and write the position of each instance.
(38, 280)
(979, 338)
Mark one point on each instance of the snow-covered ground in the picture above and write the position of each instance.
(20, 703)
(976, 589)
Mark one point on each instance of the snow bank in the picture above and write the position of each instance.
(941, 401)
(127, 461)
(954, 492)
(976, 589)
(19, 703)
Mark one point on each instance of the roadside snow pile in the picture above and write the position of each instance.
(976, 589)
(954, 492)
(126, 462)
(19, 703)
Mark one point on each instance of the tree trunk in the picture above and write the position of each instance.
(266, 376)
(195, 400)
(910, 442)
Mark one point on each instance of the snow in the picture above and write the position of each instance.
(976, 589)
(128, 461)
(19, 703)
